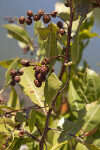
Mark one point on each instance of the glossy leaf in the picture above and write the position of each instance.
(13, 100)
(32, 119)
(27, 83)
(53, 84)
(13, 65)
(18, 33)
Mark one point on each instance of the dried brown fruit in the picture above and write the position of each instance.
(59, 24)
(46, 19)
(62, 31)
(44, 70)
(36, 17)
(13, 72)
(41, 12)
(29, 13)
(28, 21)
(17, 79)
(25, 62)
(37, 83)
(22, 20)
(54, 14)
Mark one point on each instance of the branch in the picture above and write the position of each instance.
(24, 109)
(60, 76)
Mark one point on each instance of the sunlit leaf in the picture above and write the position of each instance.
(27, 83)
(53, 84)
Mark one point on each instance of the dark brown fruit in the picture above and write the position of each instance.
(37, 83)
(45, 61)
(46, 19)
(40, 77)
(12, 83)
(44, 70)
(29, 13)
(20, 72)
(59, 24)
(41, 12)
(22, 20)
(37, 69)
(28, 21)
(67, 4)
(62, 31)
(54, 14)
(36, 17)
(13, 72)
(17, 78)
(25, 62)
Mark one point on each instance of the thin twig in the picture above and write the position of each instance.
(24, 109)
(62, 19)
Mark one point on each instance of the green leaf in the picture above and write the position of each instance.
(53, 84)
(43, 32)
(32, 119)
(13, 65)
(37, 25)
(76, 103)
(27, 83)
(5, 109)
(92, 146)
(68, 127)
(92, 84)
(62, 10)
(82, 6)
(75, 45)
(6, 63)
(13, 100)
(20, 117)
(92, 118)
(81, 147)
(49, 34)
(18, 33)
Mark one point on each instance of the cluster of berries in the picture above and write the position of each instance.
(61, 29)
(15, 75)
(41, 72)
(37, 17)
